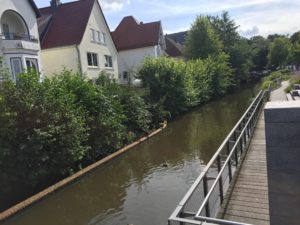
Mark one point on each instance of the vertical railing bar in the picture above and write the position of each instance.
(229, 162)
(205, 191)
(220, 180)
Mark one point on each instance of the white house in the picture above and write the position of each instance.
(76, 36)
(19, 41)
(135, 41)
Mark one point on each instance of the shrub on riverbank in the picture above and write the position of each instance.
(275, 78)
(50, 128)
(179, 85)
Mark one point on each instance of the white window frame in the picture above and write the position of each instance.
(103, 38)
(108, 63)
(93, 35)
(95, 63)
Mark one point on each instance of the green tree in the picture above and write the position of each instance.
(260, 47)
(295, 37)
(226, 28)
(201, 40)
(280, 52)
(295, 55)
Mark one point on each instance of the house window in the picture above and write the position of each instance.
(102, 40)
(92, 59)
(98, 36)
(108, 61)
(32, 64)
(125, 75)
(93, 35)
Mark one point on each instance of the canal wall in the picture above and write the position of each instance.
(63, 183)
(282, 127)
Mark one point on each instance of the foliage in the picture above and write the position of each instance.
(226, 29)
(260, 48)
(178, 86)
(50, 128)
(295, 37)
(241, 55)
(42, 132)
(280, 51)
(275, 78)
(294, 80)
(201, 40)
(165, 78)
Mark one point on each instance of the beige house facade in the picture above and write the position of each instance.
(84, 43)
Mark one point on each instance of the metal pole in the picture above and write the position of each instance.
(220, 180)
(205, 190)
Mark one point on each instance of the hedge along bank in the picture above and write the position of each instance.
(65, 182)
(53, 128)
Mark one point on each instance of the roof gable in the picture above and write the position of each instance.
(178, 37)
(131, 34)
(35, 8)
(173, 49)
(65, 26)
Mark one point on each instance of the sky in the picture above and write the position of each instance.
(254, 17)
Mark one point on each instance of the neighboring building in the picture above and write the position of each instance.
(19, 42)
(135, 41)
(174, 49)
(178, 37)
(76, 36)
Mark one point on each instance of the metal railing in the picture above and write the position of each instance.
(15, 36)
(203, 200)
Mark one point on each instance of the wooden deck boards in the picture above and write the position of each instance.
(247, 199)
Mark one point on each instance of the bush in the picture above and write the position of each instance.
(42, 132)
(168, 84)
(177, 86)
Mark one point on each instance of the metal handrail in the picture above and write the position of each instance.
(244, 126)
(222, 170)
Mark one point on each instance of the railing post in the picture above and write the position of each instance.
(229, 162)
(220, 180)
(205, 191)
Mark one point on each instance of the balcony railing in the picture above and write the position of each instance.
(16, 36)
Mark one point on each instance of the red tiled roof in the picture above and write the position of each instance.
(67, 25)
(173, 49)
(130, 34)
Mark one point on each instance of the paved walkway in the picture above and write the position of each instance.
(247, 200)
(279, 94)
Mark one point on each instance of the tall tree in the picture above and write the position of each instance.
(280, 52)
(202, 41)
(260, 48)
(272, 37)
(226, 28)
(295, 37)
(241, 56)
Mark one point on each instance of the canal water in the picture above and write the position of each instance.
(138, 188)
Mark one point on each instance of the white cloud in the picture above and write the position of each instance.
(250, 32)
(113, 5)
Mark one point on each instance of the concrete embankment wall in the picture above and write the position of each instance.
(282, 124)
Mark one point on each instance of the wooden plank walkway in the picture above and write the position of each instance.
(247, 199)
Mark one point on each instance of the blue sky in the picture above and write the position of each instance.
(255, 17)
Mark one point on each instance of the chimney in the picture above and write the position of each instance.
(54, 4)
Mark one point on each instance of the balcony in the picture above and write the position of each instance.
(23, 37)
(16, 41)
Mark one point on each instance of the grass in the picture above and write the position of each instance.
(273, 78)
(294, 80)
